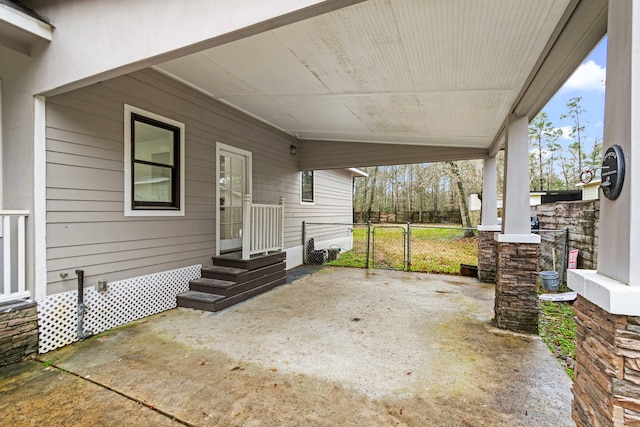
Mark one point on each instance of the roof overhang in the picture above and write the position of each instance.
(22, 32)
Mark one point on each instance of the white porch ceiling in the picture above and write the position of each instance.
(424, 72)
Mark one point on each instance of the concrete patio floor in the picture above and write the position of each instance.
(337, 347)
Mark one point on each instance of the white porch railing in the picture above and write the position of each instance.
(12, 236)
(263, 228)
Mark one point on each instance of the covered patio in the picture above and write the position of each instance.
(326, 84)
(338, 346)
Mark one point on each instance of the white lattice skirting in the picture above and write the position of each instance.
(123, 302)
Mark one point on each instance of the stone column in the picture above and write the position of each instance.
(487, 253)
(605, 391)
(516, 301)
(607, 374)
(18, 331)
(487, 246)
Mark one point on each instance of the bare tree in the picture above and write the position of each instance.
(454, 172)
(575, 111)
(542, 133)
(372, 190)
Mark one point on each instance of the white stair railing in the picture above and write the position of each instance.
(263, 228)
(13, 255)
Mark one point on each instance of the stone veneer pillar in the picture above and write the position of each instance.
(18, 331)
(516, 301)
(607, 375)
(487, 247)
(487, 256)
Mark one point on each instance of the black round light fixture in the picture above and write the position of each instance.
(612, 172)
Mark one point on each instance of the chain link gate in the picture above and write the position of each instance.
(393, 238)
(409, 247)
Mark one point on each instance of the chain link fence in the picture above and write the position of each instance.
(344, 244)
(409, 247)
(553, 251)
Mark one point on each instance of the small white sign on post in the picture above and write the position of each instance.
(573, 259)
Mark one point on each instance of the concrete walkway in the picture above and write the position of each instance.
(342, 347)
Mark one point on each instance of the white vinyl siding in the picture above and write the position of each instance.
(86, 225)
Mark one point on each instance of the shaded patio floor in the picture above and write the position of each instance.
(336, 347)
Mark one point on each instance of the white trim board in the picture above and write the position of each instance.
(517, 238)
(40, 197)
(605, 292)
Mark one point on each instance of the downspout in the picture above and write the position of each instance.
(82, 308)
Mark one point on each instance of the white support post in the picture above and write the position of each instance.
(489, 221)
(246, 226)
(1, 150)
(39, 217)
(281, 202)
(6, 236)
(21, 254)
(516, 221)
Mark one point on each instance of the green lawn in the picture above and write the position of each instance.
(433, 250)
(558, 331)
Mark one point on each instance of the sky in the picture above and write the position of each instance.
(588, 82)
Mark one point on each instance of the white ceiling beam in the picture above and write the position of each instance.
(315, 155)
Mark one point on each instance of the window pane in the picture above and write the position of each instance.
(236, 214)
(225, 198)
(224, 216)
(152, 183)
(236, 166)
(225, 231)
(237, 231)
(153, 144)
(224, 180)
(236, 183)
(236, 199)
(307, 186)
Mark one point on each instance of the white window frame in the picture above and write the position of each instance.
(128, 208)
(306, 202)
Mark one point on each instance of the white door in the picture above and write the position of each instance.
(233, 167)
